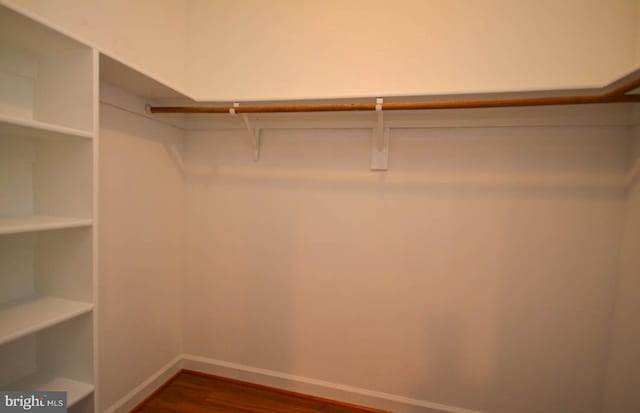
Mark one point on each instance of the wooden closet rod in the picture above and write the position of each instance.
(615, 92)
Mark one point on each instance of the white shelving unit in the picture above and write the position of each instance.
(33, 315)
(10, 125)
(53, 358)
(76, 390)
(48, 104)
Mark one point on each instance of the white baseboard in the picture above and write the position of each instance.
(319, 388)
(138, 394)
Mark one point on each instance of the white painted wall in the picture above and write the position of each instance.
(623, 375)
(478, 272)
(286, 49)
(290, 49)
(149, 34)
(140, 247)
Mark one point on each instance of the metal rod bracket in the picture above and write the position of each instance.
(380, 142)
(253, 133)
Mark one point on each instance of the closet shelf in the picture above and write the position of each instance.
(16, 225)
(32, 128)
(27, 317)
(76, 390)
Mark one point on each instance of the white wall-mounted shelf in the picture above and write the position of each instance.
(17, 225)
(36, 314)
(76, 390)
(44, 75)
(19, 127)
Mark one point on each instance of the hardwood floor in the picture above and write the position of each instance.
(190, 391)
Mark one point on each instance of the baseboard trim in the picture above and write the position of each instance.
(250, 385)
(280, 380)
(319, 388)
(141, 392)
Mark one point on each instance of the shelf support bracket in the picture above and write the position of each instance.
(254, 133)
(380, 142)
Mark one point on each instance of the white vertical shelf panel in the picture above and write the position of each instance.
(96, 229)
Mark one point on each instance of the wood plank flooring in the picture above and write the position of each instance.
(190, 391)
